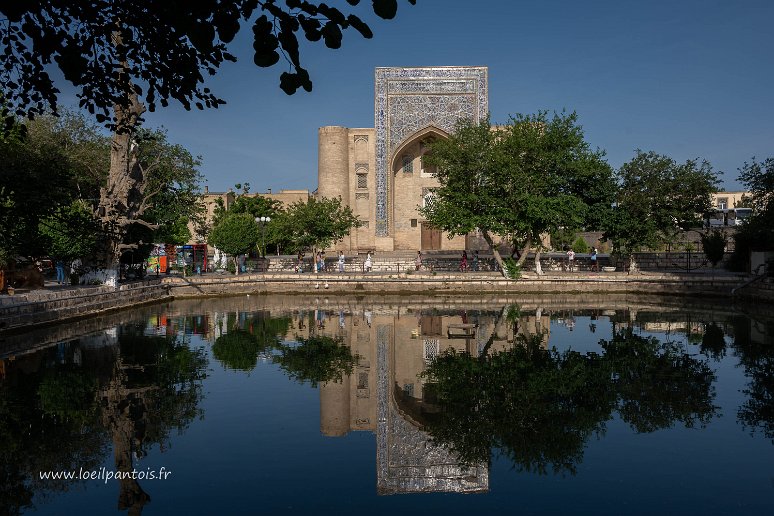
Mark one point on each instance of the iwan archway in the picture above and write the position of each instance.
(413, 104)
(412, 180)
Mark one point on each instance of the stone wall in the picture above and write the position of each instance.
(51, 306)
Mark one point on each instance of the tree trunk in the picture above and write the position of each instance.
(538, 266)
(633, 269)
(525, 252)
(495, 252)
(121, 200)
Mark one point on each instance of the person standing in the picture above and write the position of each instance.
(475, 261)
(418, 261)
(464, 262)
(570, 260)
(368, 265)
(594, 261)
(341, 261)
(60, 272)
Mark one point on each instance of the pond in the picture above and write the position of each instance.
(281, 404)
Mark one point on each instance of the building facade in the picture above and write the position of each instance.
(379, 172)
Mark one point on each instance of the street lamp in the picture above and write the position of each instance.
(263, 221)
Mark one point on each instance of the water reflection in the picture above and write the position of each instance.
(446, 388)
(63, 407)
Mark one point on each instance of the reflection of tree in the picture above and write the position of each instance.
(44, 429)
(317, 359)
(239, 348)
(757, 357)
(536, 407)
(539, 407)
(156, 387)
(657, 384)
(713, 342)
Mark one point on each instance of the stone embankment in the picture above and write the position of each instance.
(51, 306)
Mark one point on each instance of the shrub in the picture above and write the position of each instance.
(512, 269)
(580, 246)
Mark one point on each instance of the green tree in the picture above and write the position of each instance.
(757, 232)
(235, 234)
(714, 245)
(71, 232)
(657, 198)
(314, 224)
(535, 175)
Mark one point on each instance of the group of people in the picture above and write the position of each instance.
(60, 267)
(592, 257)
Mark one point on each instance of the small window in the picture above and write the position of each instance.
(363, 224)
(362, 180)
(722, 203)
(413, 223)
(408, 164)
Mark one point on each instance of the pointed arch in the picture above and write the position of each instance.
(427, 132)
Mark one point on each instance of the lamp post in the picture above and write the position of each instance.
(263, 221)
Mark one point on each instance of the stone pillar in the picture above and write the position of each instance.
(333, 163)
(334, 408)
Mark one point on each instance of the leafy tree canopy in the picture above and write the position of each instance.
(757, 233)
(163, 49)
(536, 174)
(235, 234)
(70, 232)
(314, 224)
(657, 198)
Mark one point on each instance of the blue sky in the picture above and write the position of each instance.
(685, 78)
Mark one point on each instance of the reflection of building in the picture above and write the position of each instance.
(385, 393)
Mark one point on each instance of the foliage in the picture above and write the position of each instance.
(512, 268)
(314, 224)
(534, 175)
(235, 234)
(757, 233)
(657, 198)
(255, 205)
(714, 244)
(318, 359)
(539, 407)
(31, 170)
(239, 348)
(172, 187)
(71, 232)
(580, 246)
(91, 42)
(69, 395)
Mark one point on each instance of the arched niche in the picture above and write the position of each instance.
(413, 146)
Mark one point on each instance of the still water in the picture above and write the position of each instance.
(273, 405)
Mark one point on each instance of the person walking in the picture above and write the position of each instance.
(342, 260)
(418, 261)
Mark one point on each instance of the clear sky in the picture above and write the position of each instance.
(685, 78)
